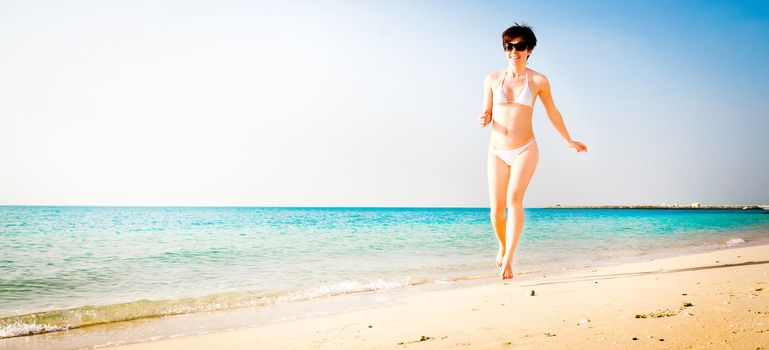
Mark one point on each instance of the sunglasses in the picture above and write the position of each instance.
(519, 46)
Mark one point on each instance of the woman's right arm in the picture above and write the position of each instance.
(485, 117)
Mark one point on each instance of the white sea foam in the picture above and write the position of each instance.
(83, 316)
(18, 328)
(734, 241)
(346, 287)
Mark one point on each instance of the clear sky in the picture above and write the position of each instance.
(347, 104)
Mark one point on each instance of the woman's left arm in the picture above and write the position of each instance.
(555, 116)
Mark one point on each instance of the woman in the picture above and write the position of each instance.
(508, 100)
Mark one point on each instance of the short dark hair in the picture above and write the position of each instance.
(522, 30)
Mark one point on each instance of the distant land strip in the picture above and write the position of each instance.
(664, 206)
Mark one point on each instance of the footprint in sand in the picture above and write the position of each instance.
(665, 312)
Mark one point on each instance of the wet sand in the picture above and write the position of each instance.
(714, 300)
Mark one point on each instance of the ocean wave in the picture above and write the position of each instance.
(341, 288)
(57, 320)
(734, 241)
(19, 328)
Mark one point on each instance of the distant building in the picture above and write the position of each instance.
(695, 205)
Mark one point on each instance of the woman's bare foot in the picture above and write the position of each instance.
(507, 272)
(500, 254)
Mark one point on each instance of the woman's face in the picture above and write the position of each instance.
(512, 53)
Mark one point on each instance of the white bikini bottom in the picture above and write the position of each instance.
(508, 156)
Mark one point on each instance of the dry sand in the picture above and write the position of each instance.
(714, 300)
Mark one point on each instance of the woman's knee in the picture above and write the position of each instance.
(497, 211)
(515, 200)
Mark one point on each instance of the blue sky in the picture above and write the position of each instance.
(348, 104)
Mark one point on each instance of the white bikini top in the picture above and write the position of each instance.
(523, 98)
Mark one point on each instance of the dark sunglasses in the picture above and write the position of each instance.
(520, 46)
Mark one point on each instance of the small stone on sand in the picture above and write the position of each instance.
(634, 338)
(532, 293)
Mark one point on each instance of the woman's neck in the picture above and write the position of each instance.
(516, 70)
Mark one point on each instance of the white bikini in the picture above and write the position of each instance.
(524, 98)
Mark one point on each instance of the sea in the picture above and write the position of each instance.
(86, 277)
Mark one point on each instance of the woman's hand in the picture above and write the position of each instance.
(579, 146)
(484, 119)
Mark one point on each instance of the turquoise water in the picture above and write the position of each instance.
(67, 267)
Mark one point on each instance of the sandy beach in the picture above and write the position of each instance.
(713, 300)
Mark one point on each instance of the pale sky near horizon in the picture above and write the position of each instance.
(237, 103)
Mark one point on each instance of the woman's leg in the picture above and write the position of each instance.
(521, 172)
(499, 175)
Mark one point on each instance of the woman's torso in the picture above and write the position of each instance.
(512, 110)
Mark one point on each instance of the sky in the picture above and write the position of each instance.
(344, 103)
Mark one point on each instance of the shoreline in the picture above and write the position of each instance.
(390, 287)
(595, 308)
(227, 320)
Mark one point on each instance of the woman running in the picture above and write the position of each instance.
(508, 101)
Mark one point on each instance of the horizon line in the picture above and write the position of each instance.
(554, 206)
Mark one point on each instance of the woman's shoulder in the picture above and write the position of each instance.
(538, 80)
(496, 73)
(494, 76)
(537, 76)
